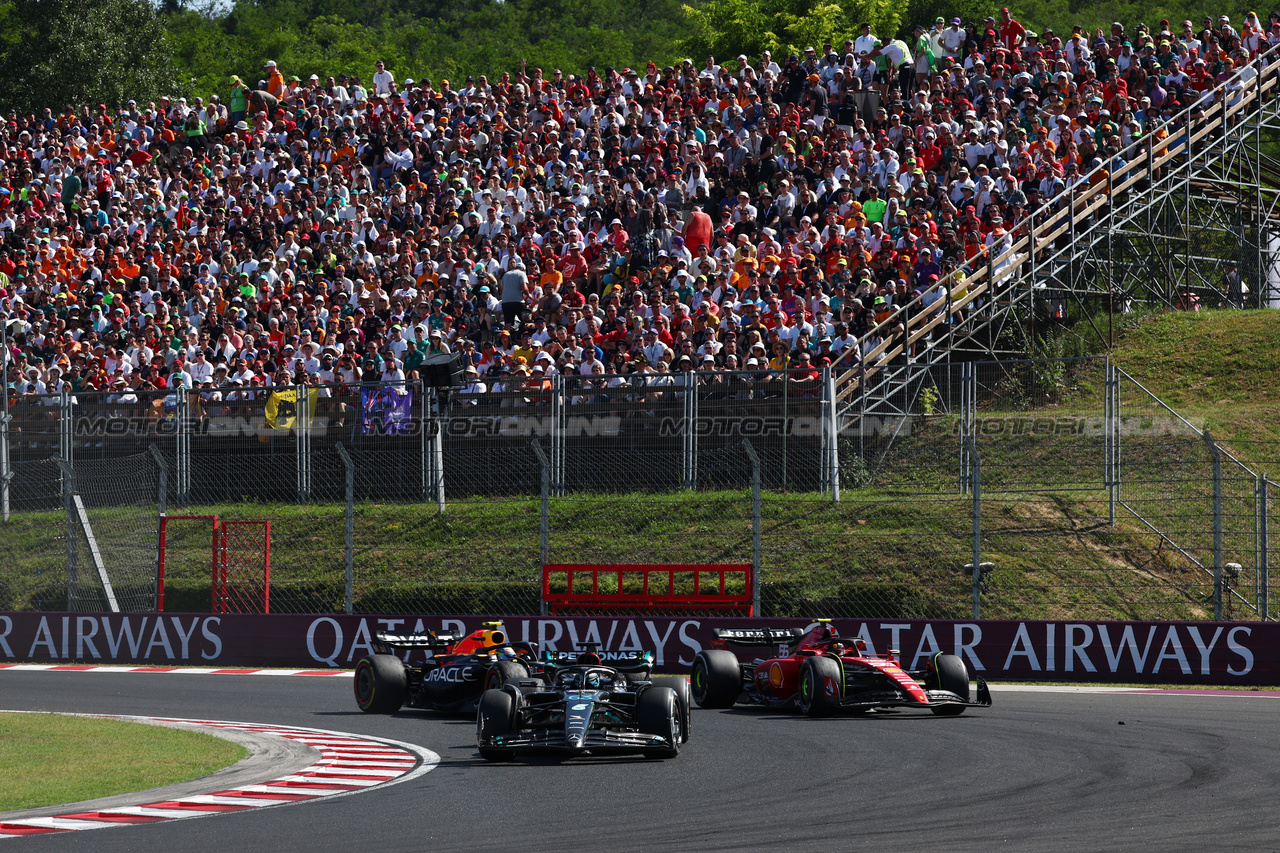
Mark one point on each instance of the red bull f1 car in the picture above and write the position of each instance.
(456, 671)
(590, 703)
(821, 673)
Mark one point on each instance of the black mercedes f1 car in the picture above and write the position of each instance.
(589, 703)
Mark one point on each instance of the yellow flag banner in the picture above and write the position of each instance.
(282, 408)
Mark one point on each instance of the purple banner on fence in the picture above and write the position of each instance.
(386, 411)
(1167, 652)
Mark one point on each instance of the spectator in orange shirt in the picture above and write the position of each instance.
(275, 80)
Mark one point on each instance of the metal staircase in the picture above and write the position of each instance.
(1157, 229)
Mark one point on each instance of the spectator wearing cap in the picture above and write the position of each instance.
(952, 40)
(275, 80)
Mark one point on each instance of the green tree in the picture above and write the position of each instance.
(73, 52)
(725, 28)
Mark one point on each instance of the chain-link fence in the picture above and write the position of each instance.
(1196, 504)
(1075, 493)
(81, 535)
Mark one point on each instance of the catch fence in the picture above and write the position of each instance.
(1074, 492)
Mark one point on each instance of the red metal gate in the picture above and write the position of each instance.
(240, 564)
(243, 583)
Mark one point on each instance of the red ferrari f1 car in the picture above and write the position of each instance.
(821, 673)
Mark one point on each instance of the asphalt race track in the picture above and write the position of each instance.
(1038, 771)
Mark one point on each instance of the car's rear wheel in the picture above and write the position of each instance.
(503, 671)
(683, 698)
(380, 684)
(716, 681)
(658, 713)
(952, 676)
(821, 683)
(493, 719)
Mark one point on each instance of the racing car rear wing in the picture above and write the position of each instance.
(430, 640)
(757, 636)
(438, 643)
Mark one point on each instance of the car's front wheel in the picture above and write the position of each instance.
(658, 713)
(952, 676)
(683, 700)
(493, 719)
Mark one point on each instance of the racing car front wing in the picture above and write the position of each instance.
(596, 739)
(890, 698)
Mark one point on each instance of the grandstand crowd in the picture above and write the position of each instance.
(744, 213)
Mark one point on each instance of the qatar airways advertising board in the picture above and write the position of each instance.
(1243, 653)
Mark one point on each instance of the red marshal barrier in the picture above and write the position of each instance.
(709, 589)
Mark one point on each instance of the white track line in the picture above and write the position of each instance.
(377, 762)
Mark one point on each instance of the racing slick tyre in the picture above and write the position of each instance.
(380, 684)
(821, 683)
(683, 698)
(954, 677)
(493, 717)
(658, 713)
(503, 671)
(716, 679)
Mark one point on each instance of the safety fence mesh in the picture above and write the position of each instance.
(1076, 493)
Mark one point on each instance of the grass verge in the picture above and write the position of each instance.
(48, 759)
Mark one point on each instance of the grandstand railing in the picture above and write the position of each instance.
(994, 286)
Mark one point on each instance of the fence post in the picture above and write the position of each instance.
(349, 516)
(1216, 456)
(1264, 572)
(1110, 428)
(424, 440)
(962, 476)
(162, 508)
(544, 513)
(755, 526)
(1116, 409)
(824, 449)
(437, 453)
(6, 473)
(73, 537)
(831, 422)
(182, 445)
(66, 427)
(689, 472)
(558, 405)
(975, 487)
(302, 443)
